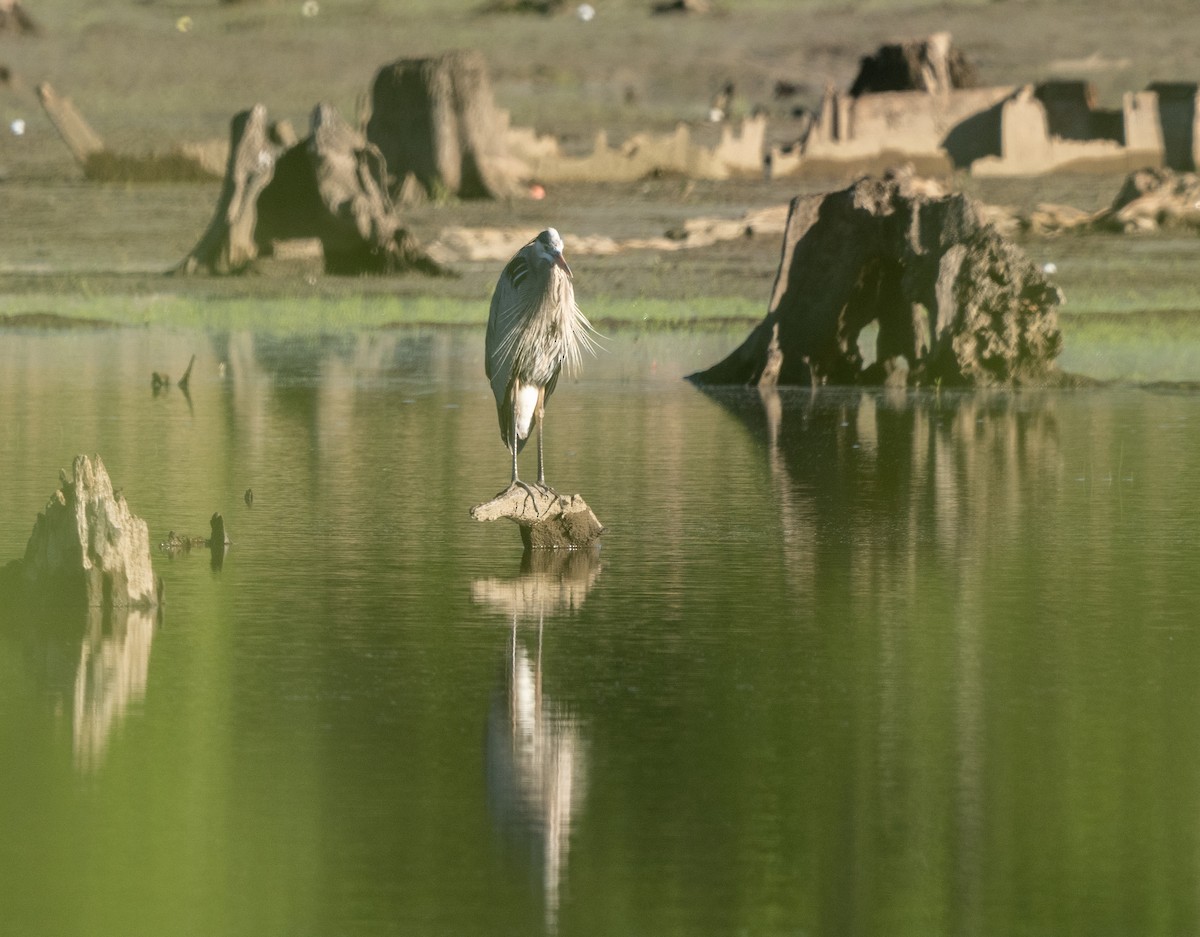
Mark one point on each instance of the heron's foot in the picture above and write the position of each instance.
(531, 493)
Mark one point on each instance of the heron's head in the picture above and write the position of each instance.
(550, 244)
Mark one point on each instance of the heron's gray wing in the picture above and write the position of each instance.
(553, 383)
(510, 308)
(504, 319)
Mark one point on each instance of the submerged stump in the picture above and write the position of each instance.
(88, 547)
(956, 303)
(547, 519)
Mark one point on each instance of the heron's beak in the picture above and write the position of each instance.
(560, 262)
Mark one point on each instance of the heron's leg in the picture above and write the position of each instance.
(541, 461)
(514, 445)
(515, 480)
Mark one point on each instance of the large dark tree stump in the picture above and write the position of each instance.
(547, 519)
(330, 187)
(952, 297)
(435, 119)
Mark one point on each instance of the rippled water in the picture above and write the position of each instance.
(852, 663)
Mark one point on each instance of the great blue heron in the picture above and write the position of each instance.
(534, 328)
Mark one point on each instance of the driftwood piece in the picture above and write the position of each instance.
(958, 302)
(328, 187)
(87, 546)
(1150, 199)
(14, 20)
(183, 163)
(547, 519)
(83, 142)
(436, 120)
(217, 543)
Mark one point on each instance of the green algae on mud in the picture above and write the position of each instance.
(52, 321)
(297, 314)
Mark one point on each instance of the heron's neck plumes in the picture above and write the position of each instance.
(557, 333)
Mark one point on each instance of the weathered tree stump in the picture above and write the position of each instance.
(436, 120)
(228, 245)
(932, 65)
(959, 302)
(87, 546)
(1150, 199)
(330, 186)
(547, 519)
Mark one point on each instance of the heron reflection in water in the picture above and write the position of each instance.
(534, 328)
(535, 749)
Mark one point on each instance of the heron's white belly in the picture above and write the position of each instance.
(527, 398)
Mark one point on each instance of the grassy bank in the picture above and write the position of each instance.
(97, 252)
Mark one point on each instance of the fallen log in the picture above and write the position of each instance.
(76, 133)
(183, 163)
(958, 302)
(547, 519)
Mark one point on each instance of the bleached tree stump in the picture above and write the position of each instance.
(88, 546)
(547, 519)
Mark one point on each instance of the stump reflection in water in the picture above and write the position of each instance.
(535, 749)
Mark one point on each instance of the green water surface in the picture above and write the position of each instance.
(851, 663)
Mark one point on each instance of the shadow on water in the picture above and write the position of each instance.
(535, 748)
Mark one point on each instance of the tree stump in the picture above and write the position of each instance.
(932, 65)
(547, 519)
(88, 546)
(1150, 199)
(228, 245)
(435, 119)
(959, 302)
(330, 186)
